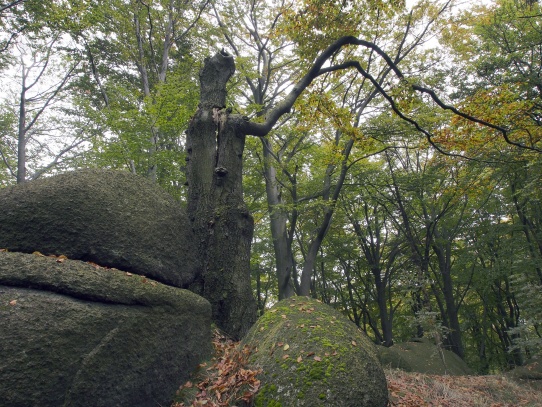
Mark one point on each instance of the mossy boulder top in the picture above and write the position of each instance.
(112, 218)
(311, 355)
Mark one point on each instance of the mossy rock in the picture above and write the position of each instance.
(76, 335)
(311, 355)
(423, 356)
(112, 218)
(530, 372)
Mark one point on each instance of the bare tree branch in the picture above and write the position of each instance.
(6, 163)
(4, 7)
(262, 129)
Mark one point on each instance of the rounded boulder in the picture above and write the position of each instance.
(311, 355)
(112, 218)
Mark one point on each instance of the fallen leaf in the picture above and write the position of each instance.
(318, 358)
(354, 343)
(280, 344)
(286, 347)
(299, 359)
(96, 266)
(38, 254)
(285, 357)
(129, 274)
(13, 302)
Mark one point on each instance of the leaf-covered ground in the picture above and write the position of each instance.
(222, 382)
(225, 381)
(420, 390)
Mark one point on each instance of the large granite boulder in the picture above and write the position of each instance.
(311, 355)
(423, 356)
(74, 334)
(112, 218)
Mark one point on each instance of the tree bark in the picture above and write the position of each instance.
(221, 222)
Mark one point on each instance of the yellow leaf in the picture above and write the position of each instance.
(286, 347)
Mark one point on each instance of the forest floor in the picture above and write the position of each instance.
(421, 390)
(226, 381)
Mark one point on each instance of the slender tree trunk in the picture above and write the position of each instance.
(528, 231)
(284, 259)
(220, 219)
(21, 137)
(331, 199)
(145, 83)
(385, 320)
(452, 311)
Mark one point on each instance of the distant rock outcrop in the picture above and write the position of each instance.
(530, 374)
(74, 334)
(311, 355)
(112, 218)
(423, 356)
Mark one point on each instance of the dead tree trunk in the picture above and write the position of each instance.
(220, 219)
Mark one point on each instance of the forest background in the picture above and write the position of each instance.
(376, 197)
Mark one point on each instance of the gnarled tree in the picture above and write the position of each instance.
(215, 143)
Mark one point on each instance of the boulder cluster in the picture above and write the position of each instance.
(94, 310)
(92, 306)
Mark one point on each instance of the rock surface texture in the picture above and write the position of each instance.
(311, 355)
(74, 334)
(112, 218)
